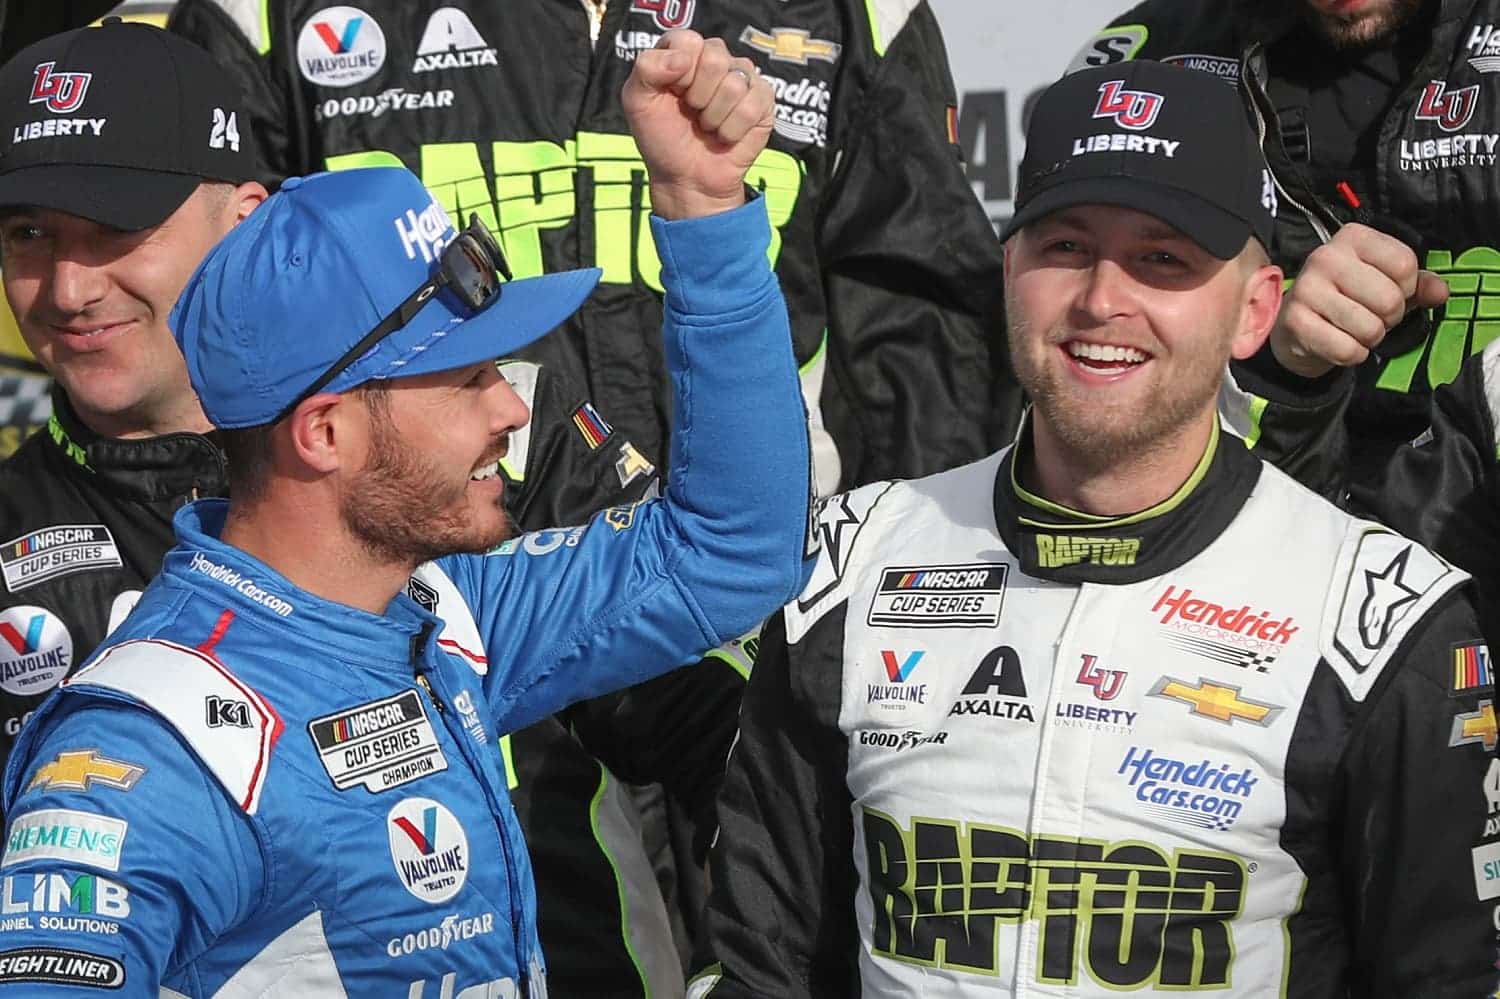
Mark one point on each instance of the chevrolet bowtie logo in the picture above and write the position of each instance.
(791, 45)
(1475, 727)
(80, 770)
(1221, 702)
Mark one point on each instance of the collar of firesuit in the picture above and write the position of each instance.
(178, 466)
(1055, 543)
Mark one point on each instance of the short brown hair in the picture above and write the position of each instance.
(250, 452)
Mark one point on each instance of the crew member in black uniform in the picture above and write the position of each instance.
(1379, 121)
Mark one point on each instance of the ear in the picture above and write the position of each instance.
(1262, 302)
(247, 197)
(323, 434)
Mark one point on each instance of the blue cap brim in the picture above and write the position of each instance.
(441, 338)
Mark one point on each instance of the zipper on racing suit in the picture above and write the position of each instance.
(1324, 223)
(418, 643)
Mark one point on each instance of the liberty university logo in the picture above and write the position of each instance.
(1451, 109)
(63, 92)
(1132, 109)
(667, 14)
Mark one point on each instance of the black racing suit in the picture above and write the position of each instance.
(1241, 741)
(85, 521)
(1432, 165)
(511, 110)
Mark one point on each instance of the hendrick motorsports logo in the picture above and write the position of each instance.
(56, 551)
(429, 849)
(801, 109)
(1196, 793)
(1250, 638)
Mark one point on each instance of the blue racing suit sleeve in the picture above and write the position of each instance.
(105, 883)
(571, 614)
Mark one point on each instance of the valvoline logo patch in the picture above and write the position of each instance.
(899, 671)
(428, 848)
(340, 46)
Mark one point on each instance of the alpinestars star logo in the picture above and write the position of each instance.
(1132, 109)
(61, 92)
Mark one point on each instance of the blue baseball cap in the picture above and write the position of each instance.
(319, 265)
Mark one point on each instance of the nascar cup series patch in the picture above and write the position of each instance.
(56, 551)
(380, 745)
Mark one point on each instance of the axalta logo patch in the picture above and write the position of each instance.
(940, 596)
(36, 650)
(450, 41)
(996, 688)
(1191, 792)
(66, 835)
(378, 745)
(429, 849)
(56, 551)
(339, 47)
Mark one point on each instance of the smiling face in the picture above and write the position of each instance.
(430, 484)
(92, 305)
(1353, 24)
(1120, 327)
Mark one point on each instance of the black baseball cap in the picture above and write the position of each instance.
(1165, 140)
(119, 124)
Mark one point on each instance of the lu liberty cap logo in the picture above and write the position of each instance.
(61, 92)
(1133, 109)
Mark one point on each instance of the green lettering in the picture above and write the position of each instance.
(534, 189)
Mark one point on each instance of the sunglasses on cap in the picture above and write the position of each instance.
(467, 267)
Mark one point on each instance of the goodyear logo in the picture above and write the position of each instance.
(1151, 917)
(1054, 551)
(940, 596)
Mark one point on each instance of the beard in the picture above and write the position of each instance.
(1098, 435)
(1364, 29)
(401, 509)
